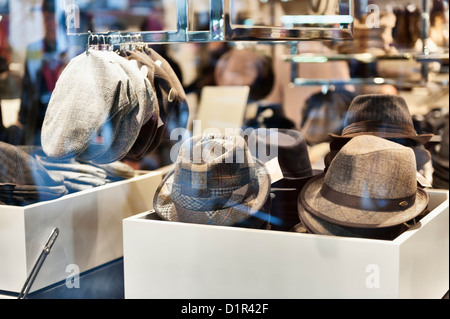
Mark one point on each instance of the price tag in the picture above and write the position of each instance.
(274, 170)
(423, 181)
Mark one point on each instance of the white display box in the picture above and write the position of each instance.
(90, 231)
(174, 260)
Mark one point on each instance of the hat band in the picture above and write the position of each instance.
(222, 199)
(379, 126)
(367, 203)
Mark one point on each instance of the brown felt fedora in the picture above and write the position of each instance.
(370, 183)
(381, 115)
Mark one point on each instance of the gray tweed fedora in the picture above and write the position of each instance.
(381, 115)
(215, 181)
(370, 183)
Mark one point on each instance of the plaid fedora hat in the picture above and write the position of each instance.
(370, 183)
(215, 181)
(381, 115)
(92, 90)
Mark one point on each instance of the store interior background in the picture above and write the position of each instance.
(31, 38)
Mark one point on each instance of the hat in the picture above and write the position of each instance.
(423, 156)
(370, 183)
(20, 168)
(92, 90)
(324, 114)
(289, 146)
(382, 115)
(169, 89)
(286, 144)
(246, 67)
(25, 180)
(215, 181)
(131, 125)
(148, 136)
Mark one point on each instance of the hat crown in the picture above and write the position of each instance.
(379, 107)
(372, 167)
(212, 172)
(288, 145)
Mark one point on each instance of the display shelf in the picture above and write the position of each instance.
(223, 28)
(360, 57)
(367, 81)
(365, 57)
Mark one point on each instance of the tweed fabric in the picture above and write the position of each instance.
(166, 73)
(376, 171)
(19, 168)
(147, 134)
(24, 180)
(170, 93)
(225, 186)
(422, 156)
(131, 124)
(171, 100)
(92, 89)
(381, 115)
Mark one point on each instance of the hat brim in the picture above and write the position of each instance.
(312, 200)
(419, 139)
(295, 182)
(320, 226)
(144, 139)
(254, 207)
